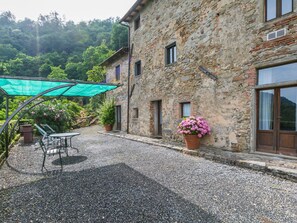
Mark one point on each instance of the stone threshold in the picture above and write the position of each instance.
(276, 166)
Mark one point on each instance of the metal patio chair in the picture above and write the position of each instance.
(50, 150)
(46, 139)
(49, 130)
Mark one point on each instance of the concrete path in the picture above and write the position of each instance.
(118, 180)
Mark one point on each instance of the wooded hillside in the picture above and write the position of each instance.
(52, 47)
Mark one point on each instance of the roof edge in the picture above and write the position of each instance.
(136, 8)
(113, 57)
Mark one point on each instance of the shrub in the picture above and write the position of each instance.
(60, 115)
(107, 112)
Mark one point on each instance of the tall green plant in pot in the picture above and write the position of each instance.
(107, 114)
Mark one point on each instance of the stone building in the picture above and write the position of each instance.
(232, 62)
(117, 73)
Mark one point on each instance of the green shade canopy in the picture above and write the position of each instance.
(19, 86)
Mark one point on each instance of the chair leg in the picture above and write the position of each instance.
(43, 162)
(60, 160)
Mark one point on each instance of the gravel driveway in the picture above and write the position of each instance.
(117, 180)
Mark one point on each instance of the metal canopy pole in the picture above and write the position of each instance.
(5, 125)
(25, 112)
(6, 128)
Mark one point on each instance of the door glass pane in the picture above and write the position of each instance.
(286, 6)
(266, 109)
(278, 74)
(271, 9)
(288, 111)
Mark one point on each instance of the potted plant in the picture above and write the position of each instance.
(107, 114)
(193, 128)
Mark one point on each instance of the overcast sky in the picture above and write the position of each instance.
(75, 10)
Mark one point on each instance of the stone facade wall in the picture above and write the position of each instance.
(120, 94)
(226, 37)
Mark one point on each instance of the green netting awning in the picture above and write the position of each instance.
(13, 86)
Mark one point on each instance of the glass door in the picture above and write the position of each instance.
(287, 134)
(266, 115)
(277, 121)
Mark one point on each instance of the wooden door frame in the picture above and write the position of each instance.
(156, 113)
(276, 119)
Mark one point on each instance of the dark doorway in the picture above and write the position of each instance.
(118, 118)
(157, 108)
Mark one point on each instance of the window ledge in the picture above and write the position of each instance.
(281, 21)
(171, 64)
(280, 84)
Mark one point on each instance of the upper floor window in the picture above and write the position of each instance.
(278, 74)
(277, 8)
(118, 72)
(185, 109)
(137, 68)
(137, 23)
(171, 54)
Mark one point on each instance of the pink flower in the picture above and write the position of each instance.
(194, 125)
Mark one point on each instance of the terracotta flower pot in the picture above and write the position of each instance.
(108, 128)
(192, 142)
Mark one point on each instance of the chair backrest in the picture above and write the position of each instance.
(41, 130)
(48, 129)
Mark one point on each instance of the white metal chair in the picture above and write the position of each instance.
(50, 150)
(46, 139)
(47, 128)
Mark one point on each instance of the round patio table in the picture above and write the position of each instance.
(64, 136)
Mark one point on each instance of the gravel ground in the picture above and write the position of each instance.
(117, 180)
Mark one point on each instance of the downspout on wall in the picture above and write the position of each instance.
(129, 73)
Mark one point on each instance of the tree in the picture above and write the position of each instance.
(4, 68)
(73, 70)
(97, 74)
(7, 52)
(57, 73)
(93, 56)
(119, 36)
(45, 70)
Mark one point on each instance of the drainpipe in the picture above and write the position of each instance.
(129, 73)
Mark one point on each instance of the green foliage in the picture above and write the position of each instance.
(13, 103)
(7, 52)
(57, 74)
(60, 115)
(4, 68)
(14, 136)
(94, 103)
(97, 74)
(107, 112)
(29, 48)
(119, 36)
(93, 56)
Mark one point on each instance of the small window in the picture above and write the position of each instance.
(118, 72)
(185, 109)
(135, 113)
(137, 23)
(171, 54)
(137, 68)
(277, 8)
